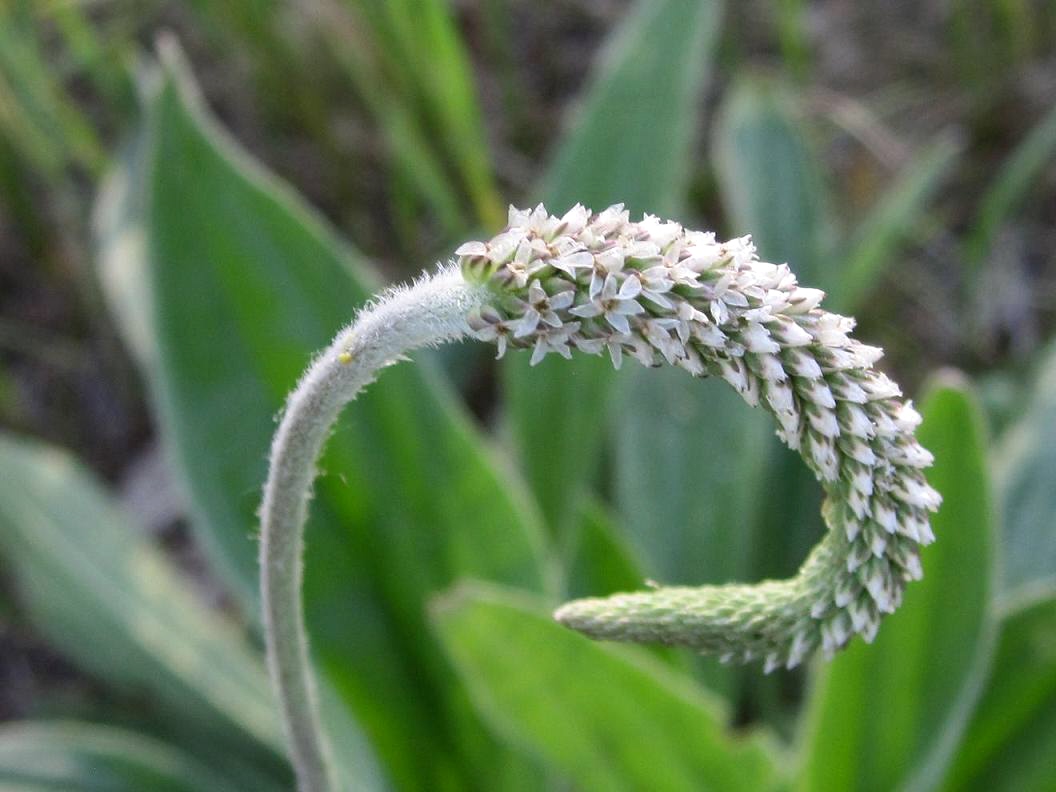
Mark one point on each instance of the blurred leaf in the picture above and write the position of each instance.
(888, 716)
(689, 456)
(771, 181)
(631, 142)
(1011, 740)
(241, 285)
(111, 602)
(1023, 464)
(1016, 176)
(83, 757)
(610, 717)
(603, 562)
(892, 220)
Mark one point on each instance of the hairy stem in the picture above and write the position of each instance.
(430, 312)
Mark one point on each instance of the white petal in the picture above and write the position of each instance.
(618, 322)
(472, 249)
(630, 289)
(587, 310)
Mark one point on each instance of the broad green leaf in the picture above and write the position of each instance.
(112, 603)
(1015, 178)
(1011, 740)
(892, 220)
(84, 757)
(629, 142)
(609, 717)
(241, 285)
(690, 455)
(771, 182)
(888, 715)
(1023, 464)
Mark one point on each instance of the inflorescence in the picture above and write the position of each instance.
(602, 284)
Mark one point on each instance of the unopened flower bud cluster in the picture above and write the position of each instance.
(604, 285)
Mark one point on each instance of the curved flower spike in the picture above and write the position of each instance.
(597, 282)
(714, 308)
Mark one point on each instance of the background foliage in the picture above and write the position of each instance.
(181, 187)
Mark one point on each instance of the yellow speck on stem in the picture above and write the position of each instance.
(345, 357)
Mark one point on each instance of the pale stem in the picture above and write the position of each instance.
(431, 311)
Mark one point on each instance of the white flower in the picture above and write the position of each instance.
(615, 303)
(499, 333)
(554, 340)
(542, 307)
(574, 220)
(606, 263)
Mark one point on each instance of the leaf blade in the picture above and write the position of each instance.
(630, 143)
(888, 715)
(90, 758)
(242, 284)
(608, 717)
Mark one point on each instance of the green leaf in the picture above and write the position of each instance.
(608, 717)
(1016, 177)
(893, 219)
(1011, 740)
(83, 757)
(603, 562)
(771, 182)
(689, 457)
(111, 602)
(241, 284)
(888, 716)
(1023, 465)
(630, 142)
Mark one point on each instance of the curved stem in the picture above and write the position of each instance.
(431, 311)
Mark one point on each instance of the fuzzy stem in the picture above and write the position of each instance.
(430, 312)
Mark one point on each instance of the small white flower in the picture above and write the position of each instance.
(575, 220)
(554, 340)
(660, 232)
(574, 261)
(472, 249)
(498, 333)
(656, 283)
(611, 220)
(606, 263)
(542, 307)
(615, 303)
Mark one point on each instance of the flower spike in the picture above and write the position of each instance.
(664, 294)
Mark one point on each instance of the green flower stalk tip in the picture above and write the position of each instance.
(654, 291)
